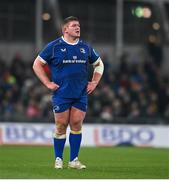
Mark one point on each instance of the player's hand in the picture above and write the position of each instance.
(91, 86)
(52, 86)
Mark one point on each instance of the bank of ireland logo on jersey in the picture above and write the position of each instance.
(56, 108)
(74, 57)
(82, 50)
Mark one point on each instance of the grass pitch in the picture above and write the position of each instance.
(118, 162)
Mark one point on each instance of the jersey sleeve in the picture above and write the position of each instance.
(46, 53)
(93, 55)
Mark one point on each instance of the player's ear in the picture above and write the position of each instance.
(64, 28)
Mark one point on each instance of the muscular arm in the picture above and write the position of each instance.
(40, 73)
(97, 74)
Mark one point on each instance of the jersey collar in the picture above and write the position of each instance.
(69, 42)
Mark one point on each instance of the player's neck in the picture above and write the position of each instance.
(70, 40)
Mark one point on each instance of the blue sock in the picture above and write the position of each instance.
(59, 147)
(75, 141)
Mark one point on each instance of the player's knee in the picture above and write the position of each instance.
(76, 125)
(60, 128)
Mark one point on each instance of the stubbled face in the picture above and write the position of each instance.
(72, 29)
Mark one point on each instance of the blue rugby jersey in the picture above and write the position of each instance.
(69, 66)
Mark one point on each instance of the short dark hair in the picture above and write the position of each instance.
(69, 19)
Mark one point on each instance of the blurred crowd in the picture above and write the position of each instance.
(134, 92)
(22, 96)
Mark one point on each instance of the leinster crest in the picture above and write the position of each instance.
(82, 50)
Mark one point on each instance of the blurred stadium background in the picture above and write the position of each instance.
(132, 37)
(130, 107)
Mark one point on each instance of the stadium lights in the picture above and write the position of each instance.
(152, 38)
(142, 12)
(156, 26)
(46, 16)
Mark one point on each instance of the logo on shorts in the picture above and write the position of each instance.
(56, 108)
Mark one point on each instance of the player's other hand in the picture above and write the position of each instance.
(52, 86)
(91, 86)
